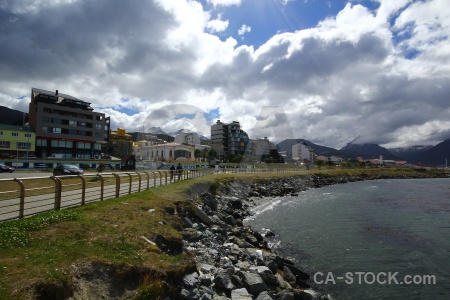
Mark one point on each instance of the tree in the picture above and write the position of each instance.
(320, 163)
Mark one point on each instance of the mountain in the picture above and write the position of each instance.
(12, 116)
(411, 153)
(286, 145)
(367, 151)
(155, 130)
(437, 154)
(201, 137)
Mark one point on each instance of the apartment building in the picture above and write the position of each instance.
(302, 152)
(228, 139)
(259, 147)
(190, 138)
(66, 125)
(16, 141)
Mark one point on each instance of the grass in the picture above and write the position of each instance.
(41, 249)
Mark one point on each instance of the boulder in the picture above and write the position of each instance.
(253, 283)
(264, 296)
(223, 281)
(190, 294)
(286, 295)
(240, 294)
(297, 272)
(190, 280)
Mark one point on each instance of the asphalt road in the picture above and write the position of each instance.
(25, 174)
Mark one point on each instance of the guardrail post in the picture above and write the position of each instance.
(22, 198)
(57, 192)
(83, 189)
(117, 185)
(154, 179)
(165, 175)
(131, 182)
(148, 179)
(139, 186)
(102, 186)
(160, 178)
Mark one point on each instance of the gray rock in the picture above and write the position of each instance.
(285, 295)
(288, 275)
(240, 294)
(282, 283)
(190, 280)
(272, 266)
(187, 222)
(230, 220)
(297, 272)
(223, 281)
(253, 283)
(190, 294)
(264, 296)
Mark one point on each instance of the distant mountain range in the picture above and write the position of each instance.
(434, 155)
(368, 151)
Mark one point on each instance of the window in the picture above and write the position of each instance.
(56, 130)
(72, 123)
(1, 132)
(46, 119)
(14, 134)
(41, 142)
(98, 126)
(21, 145)
(5, 144)
(82, 145)
(27, 134)
(46, 129)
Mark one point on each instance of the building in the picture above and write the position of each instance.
(163, 152)
(187, 138)
(228, 139)
(16, 141)
(66, 125)
(120, 143)
(140, 149)
(259, 147)
(302, 152)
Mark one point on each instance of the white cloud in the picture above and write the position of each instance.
(244, 29)
(346, 77)
(217, 25)
(224, 2)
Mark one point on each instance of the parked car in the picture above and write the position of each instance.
(65, 169)
(56, 156)
(5, 168)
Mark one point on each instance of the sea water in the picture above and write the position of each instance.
(379, 239)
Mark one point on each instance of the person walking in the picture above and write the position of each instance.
(172, 172)
(179, 171)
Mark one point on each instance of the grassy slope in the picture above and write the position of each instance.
(42, 248)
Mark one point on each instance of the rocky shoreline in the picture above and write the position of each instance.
(235, 262)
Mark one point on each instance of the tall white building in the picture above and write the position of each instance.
(302, 152)
(187, 138)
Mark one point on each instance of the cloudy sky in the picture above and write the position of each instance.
(327, 71)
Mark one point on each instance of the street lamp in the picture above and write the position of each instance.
(28, 135)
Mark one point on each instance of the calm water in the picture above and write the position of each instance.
(372, 226)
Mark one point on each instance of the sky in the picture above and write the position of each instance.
(377, 71)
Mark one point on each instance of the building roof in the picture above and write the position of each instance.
(62, 98)
(14, 127)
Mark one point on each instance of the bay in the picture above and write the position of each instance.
(374, 232)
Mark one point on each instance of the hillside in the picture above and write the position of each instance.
(368, 151)
(286, 145)
(12, 116)
(437, 154)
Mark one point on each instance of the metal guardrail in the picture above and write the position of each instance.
(22, 197)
